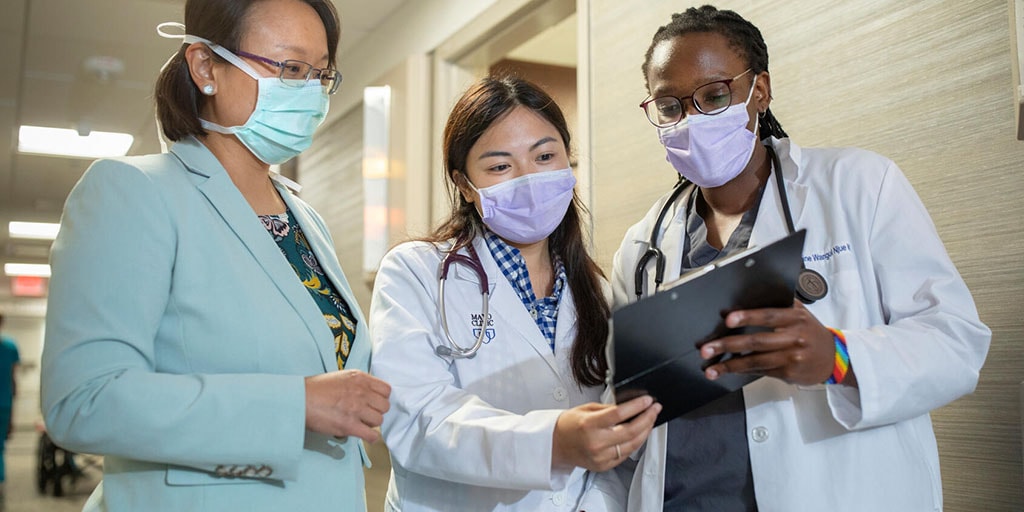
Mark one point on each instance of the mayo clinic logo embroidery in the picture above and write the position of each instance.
(827, 255)
(477, 321)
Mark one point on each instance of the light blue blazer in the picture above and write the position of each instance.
(177, 339)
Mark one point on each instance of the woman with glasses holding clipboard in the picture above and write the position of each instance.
(883, 332)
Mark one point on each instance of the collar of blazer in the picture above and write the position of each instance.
(214, 183)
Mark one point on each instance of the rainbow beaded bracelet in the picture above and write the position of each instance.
(842, 363)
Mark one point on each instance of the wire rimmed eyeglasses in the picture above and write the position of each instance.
(709, 99)
(296, 73)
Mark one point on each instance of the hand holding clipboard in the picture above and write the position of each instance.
(655, 343)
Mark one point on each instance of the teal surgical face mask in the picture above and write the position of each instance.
(285, 117)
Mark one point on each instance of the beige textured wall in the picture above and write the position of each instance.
(332, 183)
(927, 83)
(558, 81)
(332, 178)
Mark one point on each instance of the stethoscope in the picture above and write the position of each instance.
(454, 350)
(472, 261)
(810, 285)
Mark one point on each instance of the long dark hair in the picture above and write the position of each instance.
(223, 22)
(743, 37)
(484, 103)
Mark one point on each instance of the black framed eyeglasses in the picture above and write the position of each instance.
(296, 73)
(709, 99)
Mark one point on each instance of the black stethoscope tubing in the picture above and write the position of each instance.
(810, 285)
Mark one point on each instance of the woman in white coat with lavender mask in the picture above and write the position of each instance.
(494, 397)
(841, 422)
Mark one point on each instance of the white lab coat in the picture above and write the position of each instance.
(474, 434)
(913, 334)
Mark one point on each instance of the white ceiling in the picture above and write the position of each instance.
(45, 44)
(556, 45)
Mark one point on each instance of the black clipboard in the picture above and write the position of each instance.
(654, 342)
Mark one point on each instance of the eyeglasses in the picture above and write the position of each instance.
(709, 99)
(296, 73)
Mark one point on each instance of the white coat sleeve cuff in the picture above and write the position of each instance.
(530, 449)
(844, 402)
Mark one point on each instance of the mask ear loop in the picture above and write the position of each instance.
(162, 31)
(757, 118)
(753, 85)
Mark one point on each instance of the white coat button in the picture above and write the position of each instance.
(759, 434)
(533, 313)
(560, 394)
(558, 499)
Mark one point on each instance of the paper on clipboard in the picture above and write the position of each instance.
(653, 343)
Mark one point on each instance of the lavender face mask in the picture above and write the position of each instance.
(711, 150)
(527, 209)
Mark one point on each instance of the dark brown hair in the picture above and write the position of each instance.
(223, 22)
(484, 103)
(743, 37)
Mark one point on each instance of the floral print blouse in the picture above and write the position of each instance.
(296, 250)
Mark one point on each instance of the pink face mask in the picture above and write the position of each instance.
(711, 150)
(527, 209)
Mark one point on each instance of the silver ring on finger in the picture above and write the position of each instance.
(618, 453)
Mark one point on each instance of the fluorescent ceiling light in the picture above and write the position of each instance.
(35, 230)
(64, 142)
(27, 269)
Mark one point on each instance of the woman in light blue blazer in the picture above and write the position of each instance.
(200, 333)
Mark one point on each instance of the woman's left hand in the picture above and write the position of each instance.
(599, 437)
(798, 349)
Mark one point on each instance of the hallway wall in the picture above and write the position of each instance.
(27, 332)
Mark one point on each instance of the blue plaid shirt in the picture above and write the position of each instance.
(543, 310)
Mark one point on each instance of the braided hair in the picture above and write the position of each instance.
(743, 37)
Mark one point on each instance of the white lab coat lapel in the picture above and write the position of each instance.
(507, 308)
(565, 328)
(213, 181)
(670, 241)
(771, 217)
(462, 272)
(672, 232)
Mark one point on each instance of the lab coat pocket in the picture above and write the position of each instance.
(813, 416)
(182, 476)
(846, 297)
(843, 286)
(918, 446)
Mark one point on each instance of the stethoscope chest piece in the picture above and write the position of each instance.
(810, 286)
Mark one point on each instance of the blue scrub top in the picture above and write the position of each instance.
(8, 359)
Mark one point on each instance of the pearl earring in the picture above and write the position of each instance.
(208, 89)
